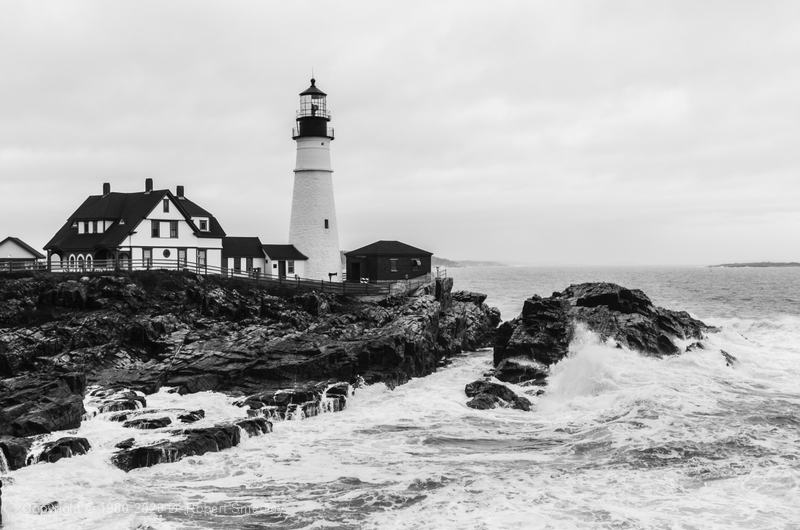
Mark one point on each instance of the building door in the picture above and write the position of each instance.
(282, 269)
(201, 261)
(354, 274)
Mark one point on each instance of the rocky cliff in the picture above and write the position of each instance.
(146, 330)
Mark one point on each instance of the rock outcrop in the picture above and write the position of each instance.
(129, 334)
(192, 442)
(40, 403)
(489, 395)
(62, 448)
(540, 336)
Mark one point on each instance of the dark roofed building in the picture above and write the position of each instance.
(150, 228)
(387, 261)
(284, 260)
(242, 254)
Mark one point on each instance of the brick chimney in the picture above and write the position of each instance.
(148, 185)
(179, 193)
(106, 188)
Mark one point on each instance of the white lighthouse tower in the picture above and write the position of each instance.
(312, 229)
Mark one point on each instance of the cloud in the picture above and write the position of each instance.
(599, 133)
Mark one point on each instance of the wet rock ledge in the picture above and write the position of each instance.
(528, 345)
(279, 350)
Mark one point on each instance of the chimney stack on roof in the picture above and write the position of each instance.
(106, 188)
(148, 185)
(180, 192)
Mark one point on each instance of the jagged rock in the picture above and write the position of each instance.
(192, 416)
(126, 443)
(305, 402)
(484, 402)
(514, 370)
(194, 442)
(730, 360)
(147, 423)
(62, 448)
(15, 450)
(110, 400)
(542, 333)
(466, 296)
(487, 395)
(41, 403)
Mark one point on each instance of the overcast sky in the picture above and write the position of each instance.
(603, 133)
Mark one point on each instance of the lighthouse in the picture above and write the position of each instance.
(312, 228)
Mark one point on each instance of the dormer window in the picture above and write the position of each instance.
(122, 222)
(203, 225)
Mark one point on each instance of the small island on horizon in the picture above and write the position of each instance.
(444, 262)
(760, 264)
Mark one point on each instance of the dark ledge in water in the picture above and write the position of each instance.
(527, 346)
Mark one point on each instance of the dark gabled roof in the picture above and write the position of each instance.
(389, 248)
(281, 252)
(193, 209)
(241, 247)
(24, 245)
(132, 208)
(313, 90)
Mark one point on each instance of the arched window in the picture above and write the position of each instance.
(71, 265)
(88, 261)
(80, 262)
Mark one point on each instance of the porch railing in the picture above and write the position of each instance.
(289, 282)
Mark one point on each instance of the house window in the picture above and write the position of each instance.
(86, 227)
(393, 264)
(147, 257)
(88, 261)
(166, 205)
(173, 229)
(94, 227)
(181, 257)
(290, 267)
(237, 264)
(248, 264)
(326, 224)
(203, 225)
(71, 265)
(201, 258)
(415, 264)
(155, 229)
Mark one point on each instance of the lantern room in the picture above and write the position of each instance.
(313, 116)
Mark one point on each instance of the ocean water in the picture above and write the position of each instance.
(618, 441)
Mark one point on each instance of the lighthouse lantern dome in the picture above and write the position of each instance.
(313, 116)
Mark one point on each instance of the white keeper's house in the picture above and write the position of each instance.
(158, 229)
(150, 228)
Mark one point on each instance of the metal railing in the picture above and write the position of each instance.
(379, 290)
